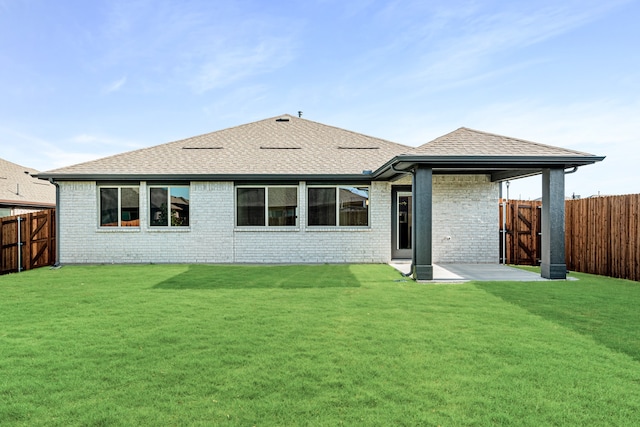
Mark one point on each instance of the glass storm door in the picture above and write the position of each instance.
(402, 225)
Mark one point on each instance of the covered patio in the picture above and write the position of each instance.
(501, 158)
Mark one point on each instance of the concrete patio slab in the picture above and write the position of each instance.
(458, 273)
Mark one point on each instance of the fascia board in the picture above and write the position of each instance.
(402, 163)
(204, 177)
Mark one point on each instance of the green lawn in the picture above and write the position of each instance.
(313, 345)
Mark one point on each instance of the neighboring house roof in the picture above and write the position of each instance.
(291, 147)
(19, 188)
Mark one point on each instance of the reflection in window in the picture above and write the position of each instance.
(343, 205)
(283, 202)
(250, 206)
(255, 204)
(109, 207)
(119, 206)
(169, 206)
(322, 206)
(354, 206)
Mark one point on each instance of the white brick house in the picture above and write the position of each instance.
(290, 190)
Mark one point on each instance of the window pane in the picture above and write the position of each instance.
(283, 203)
(354, 206)
(322, 206)
(404, 222)
(130, 207)
(108, 207)
(180, 206)
(250, 205)
(158, 207)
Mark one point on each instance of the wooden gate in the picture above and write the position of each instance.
(36, 242)
(521, 232)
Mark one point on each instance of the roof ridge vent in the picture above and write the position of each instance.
(279, 148)
(358, 148)
(186, 147)
(282, 119)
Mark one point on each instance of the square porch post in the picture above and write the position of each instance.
(422, 223)
(553, 265)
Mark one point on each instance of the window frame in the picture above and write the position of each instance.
(337, 188)
(118, 187)
(266, 188)
(169, 224)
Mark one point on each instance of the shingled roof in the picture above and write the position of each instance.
(282, 145)
(466, 142)
(19, 188)
(287, 146)
(468, 151)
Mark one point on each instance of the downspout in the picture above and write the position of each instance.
(57, 262)
(413, 174)
(505, 204)
(575, 169)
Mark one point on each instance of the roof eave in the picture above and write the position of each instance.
(205, 177)
(403, 163)
(397, 166)
(26, 204)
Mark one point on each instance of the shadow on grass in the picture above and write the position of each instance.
(604, 308)
(252, 277)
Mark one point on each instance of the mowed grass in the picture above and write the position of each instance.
(313, 345)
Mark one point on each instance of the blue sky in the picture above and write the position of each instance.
(81, 79)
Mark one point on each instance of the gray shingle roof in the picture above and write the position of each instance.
(465, 142)
(288, 145)
(19, 188)
(279, 145)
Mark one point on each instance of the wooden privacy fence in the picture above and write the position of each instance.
(27, 241)
(602, 234)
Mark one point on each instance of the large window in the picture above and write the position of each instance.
(340, 205)
(120, 206)
(275, 206)
(169, 206)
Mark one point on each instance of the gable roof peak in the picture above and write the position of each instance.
(279, 145)
(471, 142)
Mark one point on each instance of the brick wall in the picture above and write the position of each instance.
(465, 209)
(211, 237)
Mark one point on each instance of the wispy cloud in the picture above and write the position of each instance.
(477, 39)
(54, 153)
(103, 143)
(242, 62)
(195, 44)
(116, 85)
(427, 45)
(241, 105)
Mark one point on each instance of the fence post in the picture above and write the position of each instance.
(19, 245)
